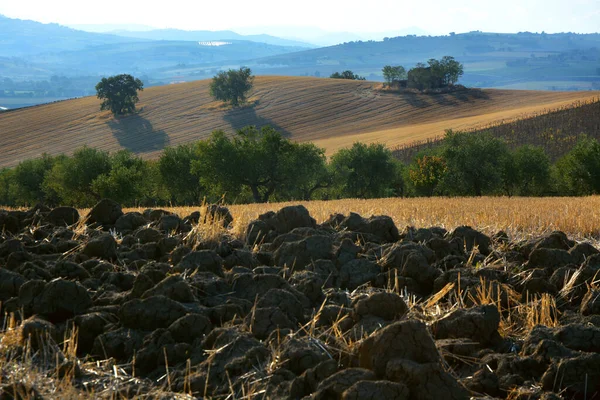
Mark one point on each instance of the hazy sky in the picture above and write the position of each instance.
(434, 16)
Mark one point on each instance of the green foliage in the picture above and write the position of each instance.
(447, 69)
(175, 167)
(426, 172)
(71, 179)
(260, 161)
(128, 180)
(579, 170)
(475, 163)
(347, 75)
(532, 170)
(363, 171)
(232, 86)
(393, 73)
(307, 170)
(28, 177)
(7, 196)
(438, 73)
(119, 93)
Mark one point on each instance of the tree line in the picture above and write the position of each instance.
(260, 165)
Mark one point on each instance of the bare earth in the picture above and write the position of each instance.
(332, 113)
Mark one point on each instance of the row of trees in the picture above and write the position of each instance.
(475, 165)
(255, 165)
(260, 165)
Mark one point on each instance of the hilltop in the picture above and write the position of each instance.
(332, 113)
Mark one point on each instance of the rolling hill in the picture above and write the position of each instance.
(332, 113)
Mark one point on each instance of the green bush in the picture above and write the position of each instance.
(475, 163)
(363, 171)
(28, 177)
(578, 172)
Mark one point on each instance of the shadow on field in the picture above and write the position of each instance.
(415, 100)
(137, 134)
(469, 94)
(239, 118)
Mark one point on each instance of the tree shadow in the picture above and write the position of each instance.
(137, 134)
(445, 100)
(241, 117)
(470, 93)
(415, 100)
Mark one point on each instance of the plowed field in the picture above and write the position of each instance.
(332, 113)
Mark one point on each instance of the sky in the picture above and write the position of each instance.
(433, 16)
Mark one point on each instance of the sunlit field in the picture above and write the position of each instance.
(519, 217)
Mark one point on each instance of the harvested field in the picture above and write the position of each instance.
(156, 305)
(332, 113)
(522, 217)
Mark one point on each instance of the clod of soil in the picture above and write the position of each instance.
(349, 309)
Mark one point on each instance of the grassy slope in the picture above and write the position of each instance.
(332, 113)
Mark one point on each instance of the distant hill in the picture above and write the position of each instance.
(150, 57)
(333, 113)
(523, 60)
(20, 38)
(200, 36)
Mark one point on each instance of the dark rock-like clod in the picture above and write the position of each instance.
(58, 300)
(62, 216)
(477, 323)
(103, 246)
(151, 313)
(105, 213)
(201, 261)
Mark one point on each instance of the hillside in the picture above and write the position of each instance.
(332, 113)
(22, 37)
(563, 61)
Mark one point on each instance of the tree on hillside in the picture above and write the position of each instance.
(391, 73)
(347, 75)
(438, 73)
(232, 86)
(119, 93)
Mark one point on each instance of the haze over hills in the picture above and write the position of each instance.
(46, 62)
(330, 112)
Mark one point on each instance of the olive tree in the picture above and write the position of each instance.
(232, 86)
(119, 93)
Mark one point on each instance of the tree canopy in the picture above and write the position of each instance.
(437, 74)
(364, 171)
(119, 93)
(393, 73)
(347, 75)
(261, 161)
(232, 86)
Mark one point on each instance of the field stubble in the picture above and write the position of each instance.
(520, 217)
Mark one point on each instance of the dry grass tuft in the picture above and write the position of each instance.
(520, 217)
